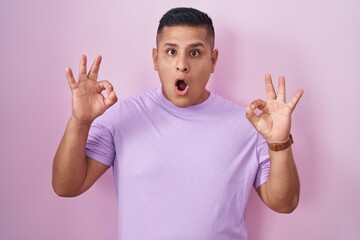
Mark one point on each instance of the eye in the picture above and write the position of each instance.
(194, 53)
(171, 51)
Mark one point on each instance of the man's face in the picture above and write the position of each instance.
(184, 60)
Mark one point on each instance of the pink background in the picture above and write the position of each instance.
(315, 44)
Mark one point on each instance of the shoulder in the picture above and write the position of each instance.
(129, 107)
(233, 114)
(226, 106)
(133, 103)
(143, 99)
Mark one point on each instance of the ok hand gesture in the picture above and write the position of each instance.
(87, 101)
(274, 120)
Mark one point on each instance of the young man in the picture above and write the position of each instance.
(184, 159)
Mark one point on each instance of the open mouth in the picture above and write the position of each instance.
(181, 85)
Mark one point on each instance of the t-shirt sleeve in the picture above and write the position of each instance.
(100, 144)
(264, 162)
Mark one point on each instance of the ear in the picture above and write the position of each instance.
(155, 58)
(214, 57)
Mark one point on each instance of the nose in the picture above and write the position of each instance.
(182, 64)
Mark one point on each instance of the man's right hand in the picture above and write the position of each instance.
(87, 101)
(73, 171)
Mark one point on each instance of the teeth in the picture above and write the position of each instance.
(181, 85)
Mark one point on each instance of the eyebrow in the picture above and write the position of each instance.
(197, 44)
(192, 45)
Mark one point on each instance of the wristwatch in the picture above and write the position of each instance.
(281, 146)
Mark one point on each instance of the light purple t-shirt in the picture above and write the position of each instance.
(180, 173)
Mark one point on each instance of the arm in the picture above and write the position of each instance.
(282, 189)
(73, 172)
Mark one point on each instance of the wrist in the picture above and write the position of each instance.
(76, 122)
(281, 145)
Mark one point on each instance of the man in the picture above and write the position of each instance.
(184, 159)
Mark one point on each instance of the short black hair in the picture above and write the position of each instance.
(187, 17)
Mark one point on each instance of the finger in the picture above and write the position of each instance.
(281, 94)
(270, 90)
(250, 114)
(94, 70)
(295, 99)
(70, 77)
(250, 111)
(82, 68)
(111, 99)
(258, 104)
(106, 85)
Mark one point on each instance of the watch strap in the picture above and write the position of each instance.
(281, 146)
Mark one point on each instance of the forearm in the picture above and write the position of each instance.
(69, 166)
(283, 185)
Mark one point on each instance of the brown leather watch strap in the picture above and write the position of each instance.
(281, 146)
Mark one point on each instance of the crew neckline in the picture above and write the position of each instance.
(191, 109)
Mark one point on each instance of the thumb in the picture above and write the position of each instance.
(250, 111)
(251, 116)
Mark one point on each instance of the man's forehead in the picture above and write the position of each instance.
(196, 44)
(183, 34)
